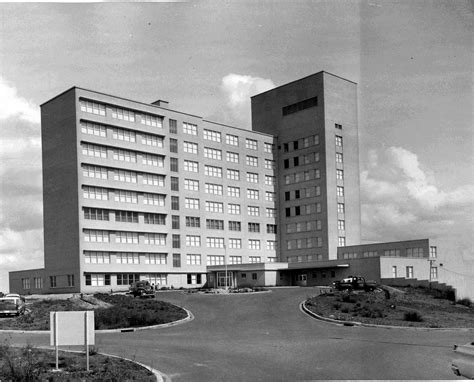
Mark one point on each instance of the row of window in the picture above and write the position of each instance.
(99, 151)
(195, 222)
(306, 226)
(410, 252)
(123, 216)
(303, 176)
(126, 176)
(302, 143)
(121, 196)
(307, 192)
(306, 209)
(301, 160)
(308, 242)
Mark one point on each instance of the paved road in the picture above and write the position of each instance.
(265, 337)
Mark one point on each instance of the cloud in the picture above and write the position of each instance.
(12, 105)
(238, 89)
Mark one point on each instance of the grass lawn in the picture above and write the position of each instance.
(31, 364)
(111, 312)
(420, 307)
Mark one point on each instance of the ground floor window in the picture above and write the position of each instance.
(38, 281)
(254, 276)
(70, 280)
(409, 272)
(98, 280)
(434, 273)
(394, 271)
(194, 278)
(156, 278)
(52, 281)
(127, 278)
(25, 283)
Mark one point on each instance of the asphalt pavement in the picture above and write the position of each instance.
(265, 337)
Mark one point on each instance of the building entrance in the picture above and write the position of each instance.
(221, 280)
(302, 279)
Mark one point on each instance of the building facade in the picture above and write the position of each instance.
(137, 191)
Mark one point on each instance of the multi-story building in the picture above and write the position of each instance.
(140, 191)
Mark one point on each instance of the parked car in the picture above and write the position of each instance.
(355, 282)
(463, 360)
(142, 289)
(12, 305)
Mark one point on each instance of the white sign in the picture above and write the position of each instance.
(70, 328)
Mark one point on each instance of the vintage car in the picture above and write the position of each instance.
(12, 305)
(142, 289)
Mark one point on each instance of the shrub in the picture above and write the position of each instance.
(349, 298)
(345, 310)
(336, 305)
(412, 316)
(464, 301)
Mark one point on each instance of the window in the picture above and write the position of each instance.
(155, 238)
(252, 194)
(153, 160)
(340, 174)
(232, 140)
(176, 260)
(25, 283)
(127, 258)
(341, 241)
(173, 145)
(253, 211)
(156, 278)
(212, 135)
(123, 114)
(154, 199)
(255, 259)
(394, 271)
(233, 191)
(214, 224)
(271, 245)
(271, 212)
(339, 158)
(254, 244)
(215, 242)
(174, 164)
(433, 252)
(126, 216)
(94, 172)
(287, 212)
(251, 161)
(340, 208)
(174, 183)
(338, 141)
(341, 225)
(174, 222)
(235, 260)
(270, 164)
(252, 177)
(154, 180)
(271, 228)
(338, 126)
(94, 150)
(251, 144)
(192, 221)
(127, 237)
(392, 252)
(234, 226)
(158, 219)
(176, 241)
(415, 252)
(38, 282)
(233, 174)
(232, 157)
(173, 126)
(254, 227)
(155, 258)
(214, 207)
(215, 260)
(370, 254)
(124, 135)
(340, 191)
(152, 140)
(270, 196)
(125, 278)
(191, 184)
(433, 273)
(193, 241)
(125, 176)
(194, 279)
(409, 272)
(191, 203)
(175, 203)
(297, 211)
(92, 107)
(235, 244)
(302, 105)
(189, 147)
(286, 163)
(52, 281)
(296, 161)
(269, 180)
(151, 120)
(212, 153)
(268, 147)
(213, 171)
(92, 257)
(192, 259)
(285, 147)
(215, 189)
(96, 236)
(96, 214)
(189, 128)
(93, 129)
(191, 166)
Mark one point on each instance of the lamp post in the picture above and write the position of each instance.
(225, 265)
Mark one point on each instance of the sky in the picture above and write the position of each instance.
(412, 61)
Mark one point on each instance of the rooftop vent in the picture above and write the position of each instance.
(161, 103)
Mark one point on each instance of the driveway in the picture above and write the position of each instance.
(265, 337)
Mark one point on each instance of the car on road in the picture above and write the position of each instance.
(355, 283)
(12, 305)
(463, 360)
(142, 289)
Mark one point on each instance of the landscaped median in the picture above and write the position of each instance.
(412, 307)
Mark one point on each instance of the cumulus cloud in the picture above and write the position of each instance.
(12, 105)
(238, 89)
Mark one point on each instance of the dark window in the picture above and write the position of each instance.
(155, 219)
(287, 195)
(214, 224)
(288, 212)
(175, 203)
(244, 275)
(174, 183)
(254, 276)
(106, 279)
(192, 221)
(126, 216)
(297, 211)
(296, 161)
(271, 228)
(254, 227)
(234, 226)
(176, 241)
(333, 274)
(174, 164)
(175, 222)
(176, 260)
(295, 145)
(286, 163)
(285, 147)
(306, 104)
(297, 194)
(173, 126)
(338, 126)
(173, 145)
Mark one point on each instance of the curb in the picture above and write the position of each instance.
(304, 309)
(190, 317)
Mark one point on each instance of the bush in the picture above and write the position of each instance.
(345, 310)
(336, 305)
(349, 298)
(464, 301)
(413, 316)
